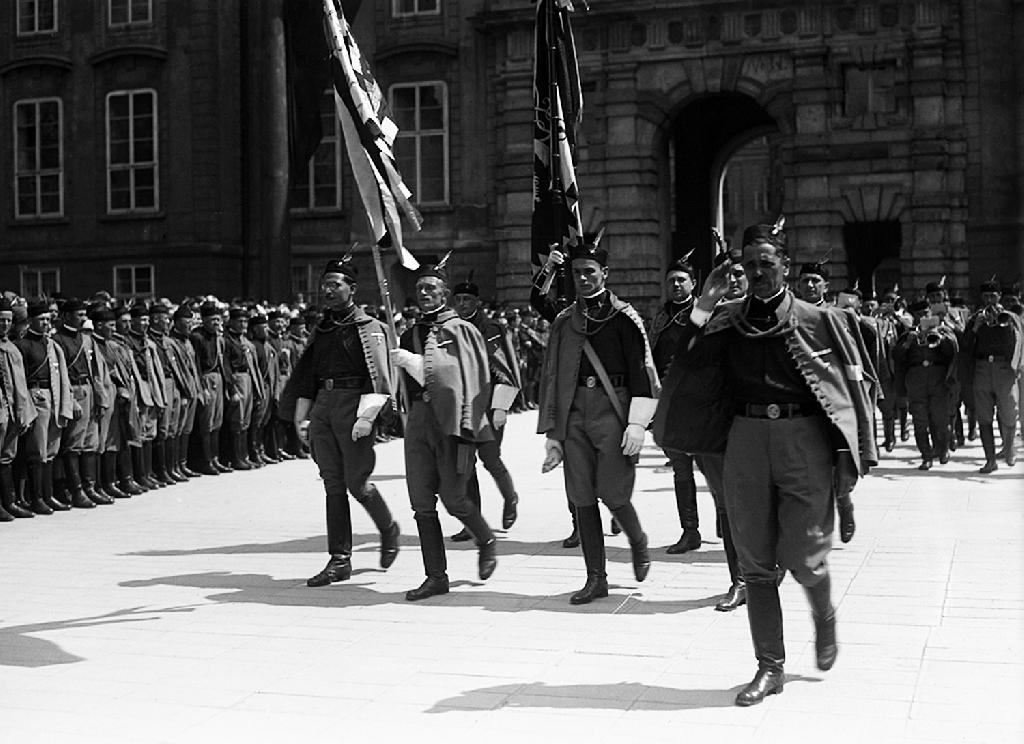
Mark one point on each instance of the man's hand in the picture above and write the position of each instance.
(498, 417)
(302, 429)
(555, 258)
(844, 474)
(716, 286)
(633, 440)
(76, 411)
(361, 428)
(401, 357)
(554, 455)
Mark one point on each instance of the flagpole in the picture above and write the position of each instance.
(554, 152)
(385, 298)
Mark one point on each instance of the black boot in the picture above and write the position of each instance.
(73, 479)
(481, 531)
(183, 467)
(588, 523)
(338, 568)
(988, 444)
(213, 439)
(686, 506)
(46, 483)
(91, 484)
(36, 492)
(238, 444)
(824, 614)
(735, 597)
(1009, 451)
(765, 616)
(158, 451)
(627, 517)
(108, 476)
(127, 459)
(573, 540)
(473, 496)
(383, 521)
(9, 495)
(145, 476)
(435, 564)
(889, 426)
(847, 525)
(205, 465)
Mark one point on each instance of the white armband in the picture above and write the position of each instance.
(503, 396)
(414, 366)
(641, 411)
(370, 405)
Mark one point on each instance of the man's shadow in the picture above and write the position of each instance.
(262, 589)
(617, 696)
(18, 647)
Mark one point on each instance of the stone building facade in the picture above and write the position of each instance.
(893, 135)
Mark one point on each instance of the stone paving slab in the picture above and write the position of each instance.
(183, 616)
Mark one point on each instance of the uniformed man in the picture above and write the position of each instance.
(597, 396)
(46, 375)
(176, 392)
(104, 409)
(447, 394)
(240, 362)
(994, 348)
(208, 342)
(152, 379)
(812, 283)
(925, 368)
(666, 328)
(778, 384)
(268, 369)
(183, 322)
(505, 384)
(17, 413)
(341, 385)
(113, 429)
(276, 437)
(943, 307)
(293, 345)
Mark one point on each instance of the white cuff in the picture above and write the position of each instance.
(503, 396)
(370, 405)
(414, 366)
(699, 317)
(641, 411)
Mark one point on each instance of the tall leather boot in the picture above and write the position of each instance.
(628, 519)
(1009, 451)
(924, 445)
(573, 540)
(378, 510)
(686, 505)
(126, 460)
(205, 465)
(147, 458)
(46, 486)
(73, 480)
(34, 489)
(182, 453)
(9, 495)
(764, 612)
(889, 427)
(737, 594)
(238, 445)
(339, 542)
(435, 563)
(218, 463)
(157, 454)
(591, 533)
(139, 468)
(824, 615)
(171, 460)
(250, 448)
(90, 482)
(988, 444)
(108, 476)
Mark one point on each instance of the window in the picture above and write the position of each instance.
(761, 195)
(39, 282)
(133, 281)
(37, 17)
(132, 167)
(38, 159)
(421, 148)
(321, 187)
(870, 90)
(129, 12)
(401, 8)
(304, 289)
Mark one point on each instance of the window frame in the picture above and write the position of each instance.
(134, 269)
(418, 134)
(131, 166)
(40, 172)
(37, 271)
(36, 31)
(397, 12)
(131, 22)
(309, 186)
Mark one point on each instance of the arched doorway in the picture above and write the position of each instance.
(724, 151)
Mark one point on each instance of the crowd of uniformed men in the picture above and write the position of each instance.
(772, 384)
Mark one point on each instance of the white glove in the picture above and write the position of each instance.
(633, 439)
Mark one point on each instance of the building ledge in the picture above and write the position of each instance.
(128, 50)
(38, 60)
(443, 48)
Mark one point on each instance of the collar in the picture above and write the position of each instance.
(65, 330)
(677, 307)
(29, 333)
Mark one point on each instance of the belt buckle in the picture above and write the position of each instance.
(426, 396)
(591, 381)
(991, 358)
(773, 411)
(328, 384)
(926, 363)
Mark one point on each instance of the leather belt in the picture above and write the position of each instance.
(777, 410)
(992, 358)
(593, 381)
(346, 383)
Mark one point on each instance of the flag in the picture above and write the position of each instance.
(369, 137)
(558, 106)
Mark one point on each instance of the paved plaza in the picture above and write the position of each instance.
(183, 616)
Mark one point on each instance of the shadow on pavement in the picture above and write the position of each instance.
(262, 589)
(617, 696)
(19, 648)
(939, 471)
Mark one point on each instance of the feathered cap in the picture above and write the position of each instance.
(438, 270)
(853, 289)
(939, 286)
(590, 248)
(467, 287)
(772, 234)
(682, 264)
(343, 266)
(990, 286)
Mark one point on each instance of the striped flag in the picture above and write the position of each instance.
(558, 106)
(369, 136)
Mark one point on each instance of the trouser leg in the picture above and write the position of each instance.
(435, 562)
(764, 613)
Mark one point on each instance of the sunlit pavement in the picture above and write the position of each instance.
(183, 616)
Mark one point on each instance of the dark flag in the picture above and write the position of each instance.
(558, 106)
